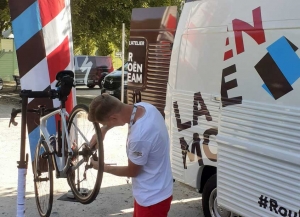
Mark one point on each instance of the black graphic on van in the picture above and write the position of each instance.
(195, 152)
(279, 68)
(185, 149)
(206, 136)
(198, 100)
(191, 154)
(195, 148)
(274, 207)
(257, 33)
(225, 86)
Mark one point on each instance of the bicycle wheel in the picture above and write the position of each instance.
(43, 179)
(84, 181)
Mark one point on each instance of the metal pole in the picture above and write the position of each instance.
(22, 164)
(123, 51)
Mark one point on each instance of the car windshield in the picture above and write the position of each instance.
(125, 67)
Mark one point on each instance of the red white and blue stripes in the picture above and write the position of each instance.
(43, 40)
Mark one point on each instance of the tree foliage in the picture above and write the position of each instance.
(97, 24)
(4, 16)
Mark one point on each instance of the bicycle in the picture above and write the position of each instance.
(71, 149)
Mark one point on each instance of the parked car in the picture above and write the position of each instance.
(1, 84)
(97, 68)
(111, 83)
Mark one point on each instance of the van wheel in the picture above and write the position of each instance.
(209, 200)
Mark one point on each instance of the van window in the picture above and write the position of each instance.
(96, 61)
(103, 61)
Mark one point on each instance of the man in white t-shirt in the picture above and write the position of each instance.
(148, 151)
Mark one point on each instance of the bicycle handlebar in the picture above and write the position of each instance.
(39, 94)
(46, 111)
(52, 94)
(15, 112)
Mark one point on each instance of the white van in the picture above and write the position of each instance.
(233, 105)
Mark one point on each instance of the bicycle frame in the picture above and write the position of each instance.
(45, 135)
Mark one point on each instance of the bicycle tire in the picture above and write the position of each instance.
(38, 171)
(75, 184)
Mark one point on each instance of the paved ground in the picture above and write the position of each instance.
(115, 195)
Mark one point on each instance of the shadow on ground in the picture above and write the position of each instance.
(111, 201)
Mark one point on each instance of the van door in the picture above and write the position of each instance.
(259, 151)
(193, 98)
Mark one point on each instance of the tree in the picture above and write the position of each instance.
(99, 22)
(4, 16)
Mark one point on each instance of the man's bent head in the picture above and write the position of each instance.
(102, 107)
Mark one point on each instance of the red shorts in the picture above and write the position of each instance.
(160, 209)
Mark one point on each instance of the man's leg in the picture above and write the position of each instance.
(160, 209)
(141, 211)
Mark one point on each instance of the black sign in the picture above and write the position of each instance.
(137, 63)
(273, 206)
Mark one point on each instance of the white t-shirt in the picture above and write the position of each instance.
(149, 145)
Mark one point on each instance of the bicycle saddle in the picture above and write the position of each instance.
(65, 82)
(64, 73)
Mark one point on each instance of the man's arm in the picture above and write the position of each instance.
(132, 170)
(93, 141)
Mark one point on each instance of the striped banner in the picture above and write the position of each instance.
(43, 40)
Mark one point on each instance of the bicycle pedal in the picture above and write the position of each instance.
(84, 191)
(70, 194)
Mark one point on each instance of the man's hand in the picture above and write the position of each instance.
(96, 165)
(132, 170)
